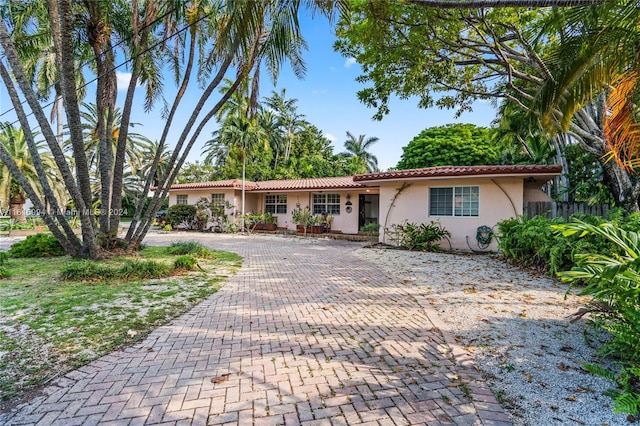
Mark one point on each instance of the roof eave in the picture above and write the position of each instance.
(549, 175)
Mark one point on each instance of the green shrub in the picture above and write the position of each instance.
(4, 272)
(422, 236)
(613, 281)
(534, 243)
(89, 270)
(370, 229)
(142, 269)
(189, 247)
(181, 215)
(4, 257)
(185, 263)
(86, 270)
(39, 245)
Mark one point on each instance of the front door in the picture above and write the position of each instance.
(368, 209)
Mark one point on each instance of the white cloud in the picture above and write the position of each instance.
(332, 68)
(349, 62)
(330, 137)
(316, 92)
(123, 79)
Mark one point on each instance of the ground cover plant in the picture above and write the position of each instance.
(535, 243)
(422, 236)
(602, 258)
(57, 313)
(613, 281)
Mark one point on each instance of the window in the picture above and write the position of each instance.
(326, 203)
(275, 204)
(217, 200)
(181, 199)
(454, 201)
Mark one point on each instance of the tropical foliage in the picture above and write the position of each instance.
(357, 154)
(14, 143)
(277, 142)
(534, 243)
(451, 145)
(556, 65)
(418, 236)
(223, 38)
(612, 279)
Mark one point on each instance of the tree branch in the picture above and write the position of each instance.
(477, 4)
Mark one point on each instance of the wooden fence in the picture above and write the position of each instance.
(554, 209)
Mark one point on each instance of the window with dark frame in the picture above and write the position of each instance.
(326, 203)
(217, 199)
(455, 201)
(275, 204)
(182, 199)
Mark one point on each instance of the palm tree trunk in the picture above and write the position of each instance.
(63, 30)
(151, 11)
(71, 243)
(244, 164)
(59, 118)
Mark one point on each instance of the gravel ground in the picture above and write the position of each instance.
(516, 325)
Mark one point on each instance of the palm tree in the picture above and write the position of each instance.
(148, 155)
(215, 150)
(478, 4)
(244, 136)
(137, 144)
(598, 59)
(222, 36)
(238, 104)
(271, 125)
(291, 122)
(357, 151)
(13, 140)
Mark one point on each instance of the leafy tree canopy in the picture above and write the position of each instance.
(450, 145)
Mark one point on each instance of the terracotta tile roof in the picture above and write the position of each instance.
(343, 182)
(455, 171)
(220, 184)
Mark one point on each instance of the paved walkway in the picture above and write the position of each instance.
(306, 333)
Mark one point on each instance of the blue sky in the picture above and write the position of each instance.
(327, 97)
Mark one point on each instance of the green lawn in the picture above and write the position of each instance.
(49, 326)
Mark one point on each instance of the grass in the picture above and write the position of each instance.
(49, 325)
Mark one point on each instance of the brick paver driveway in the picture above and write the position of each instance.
(305, 333)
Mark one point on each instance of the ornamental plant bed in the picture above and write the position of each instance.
(107, 305)
(316, 229)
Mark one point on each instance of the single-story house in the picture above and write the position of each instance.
(460, 198)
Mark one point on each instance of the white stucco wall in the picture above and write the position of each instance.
(499, 200)
(345, 222)
(254, 202)
(193, 196)
(534, 195)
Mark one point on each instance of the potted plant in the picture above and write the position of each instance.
(269, 222)
(329, 221)
(316, 227)
(302, 218)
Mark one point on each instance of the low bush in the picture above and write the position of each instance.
(142, 269)
(534, 243)
(39, 245)
(412, 236)
(370, 229)
(181, 214)
(88, 270)
(189, 247)
(4, 272)
(612, 279)
(185, 263)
